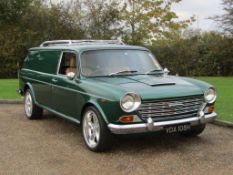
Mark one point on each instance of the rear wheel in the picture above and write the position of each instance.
(196, 130)
(32, 111)
(96, 135)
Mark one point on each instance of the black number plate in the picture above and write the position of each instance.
(177, 128)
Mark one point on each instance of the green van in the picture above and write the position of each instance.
(111, 88)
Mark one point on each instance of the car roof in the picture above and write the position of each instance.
(86, 47)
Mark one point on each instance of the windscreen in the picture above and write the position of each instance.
(110, 62)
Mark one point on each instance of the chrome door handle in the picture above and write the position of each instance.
(54, 80)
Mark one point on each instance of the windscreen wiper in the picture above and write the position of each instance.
(155, 71)
(122, 72)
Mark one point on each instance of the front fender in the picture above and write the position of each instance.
(110, 110)
(95, 103)
(201, 84)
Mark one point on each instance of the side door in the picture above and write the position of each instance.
(65, 91)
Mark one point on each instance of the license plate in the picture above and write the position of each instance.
(177, 128)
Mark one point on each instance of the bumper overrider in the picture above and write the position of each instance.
(151, 126)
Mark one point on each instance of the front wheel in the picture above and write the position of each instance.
(32, 111)
(96, 135)
(196, 130)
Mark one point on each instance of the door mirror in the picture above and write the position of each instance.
(166, 71)
(70, 75)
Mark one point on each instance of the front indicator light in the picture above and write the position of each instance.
(129, 119)
(210, 109)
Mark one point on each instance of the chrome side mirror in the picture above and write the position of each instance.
(166, 71)
(70, 75)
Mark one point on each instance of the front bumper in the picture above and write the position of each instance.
(157, 126)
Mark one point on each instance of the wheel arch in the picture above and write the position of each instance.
(95, 105)
(29, 86)
(25, 88)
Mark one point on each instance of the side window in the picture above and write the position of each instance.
(42, 61)
(68, 64)
(48, 61)
(30, 59)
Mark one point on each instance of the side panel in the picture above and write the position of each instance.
(38, 70)
(65, 96)
(43, 89)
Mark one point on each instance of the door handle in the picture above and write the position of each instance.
(54, 80)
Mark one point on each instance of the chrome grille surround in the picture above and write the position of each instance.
(171, 109)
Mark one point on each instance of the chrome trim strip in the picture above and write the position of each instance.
(178, 112)
(157, 126)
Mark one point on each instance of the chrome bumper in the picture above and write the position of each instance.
(157, 126)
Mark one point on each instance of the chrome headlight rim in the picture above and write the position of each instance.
(136, 102)
(210, 91)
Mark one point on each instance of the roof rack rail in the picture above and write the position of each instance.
(79, 42)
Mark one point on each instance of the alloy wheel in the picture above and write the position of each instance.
(91, 129)
(28, 105)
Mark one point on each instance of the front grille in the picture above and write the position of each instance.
(171, 109)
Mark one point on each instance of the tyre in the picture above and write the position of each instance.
(96, 134)
(32, 111)
(196, 130)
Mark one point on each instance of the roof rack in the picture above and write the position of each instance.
(79, 42)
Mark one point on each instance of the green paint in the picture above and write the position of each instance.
(68, 97)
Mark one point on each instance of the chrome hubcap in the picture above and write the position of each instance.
(91, 129)
(28, 104)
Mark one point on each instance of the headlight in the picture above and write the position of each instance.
(210, 95)
(130, 102)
